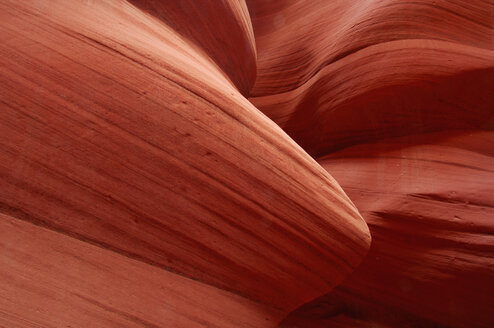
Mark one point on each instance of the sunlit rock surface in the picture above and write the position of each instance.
(171, 163)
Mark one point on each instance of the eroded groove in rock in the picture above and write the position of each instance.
(428, 203)
(118, 131)
(297, 38)
(222, 28)
(338, 73)
(391, 89)
(140, 187)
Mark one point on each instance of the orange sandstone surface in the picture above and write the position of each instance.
(246, 163)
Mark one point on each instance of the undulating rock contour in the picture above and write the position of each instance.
(246, 163)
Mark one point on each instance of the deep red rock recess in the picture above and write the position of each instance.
(146, 179)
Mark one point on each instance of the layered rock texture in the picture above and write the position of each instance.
(430, 262)
(231, 163)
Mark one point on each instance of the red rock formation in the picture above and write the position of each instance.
(52, 280)
(118, 131)
(222, 28)
(357, 99)
(140, 187)
(339, 73)
(358, 72)
(297, 38)
(428, 203)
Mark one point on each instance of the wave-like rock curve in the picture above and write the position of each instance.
(428, 202)
(149, 177)
(119, 131)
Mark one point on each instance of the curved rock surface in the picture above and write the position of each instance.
(360, 71)
(52, 280)
(390, 89)
(297, 38)
(119, 131)
(142, 184)
(221, 28)
(428, 203)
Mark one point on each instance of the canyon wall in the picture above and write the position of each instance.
(231, 163)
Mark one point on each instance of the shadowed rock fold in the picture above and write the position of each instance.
(119, 131)
(157, 171)
(428, 202)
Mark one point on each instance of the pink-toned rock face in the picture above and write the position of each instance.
(170, 163)
(119, 131)
(221, 28)
(52, 280)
